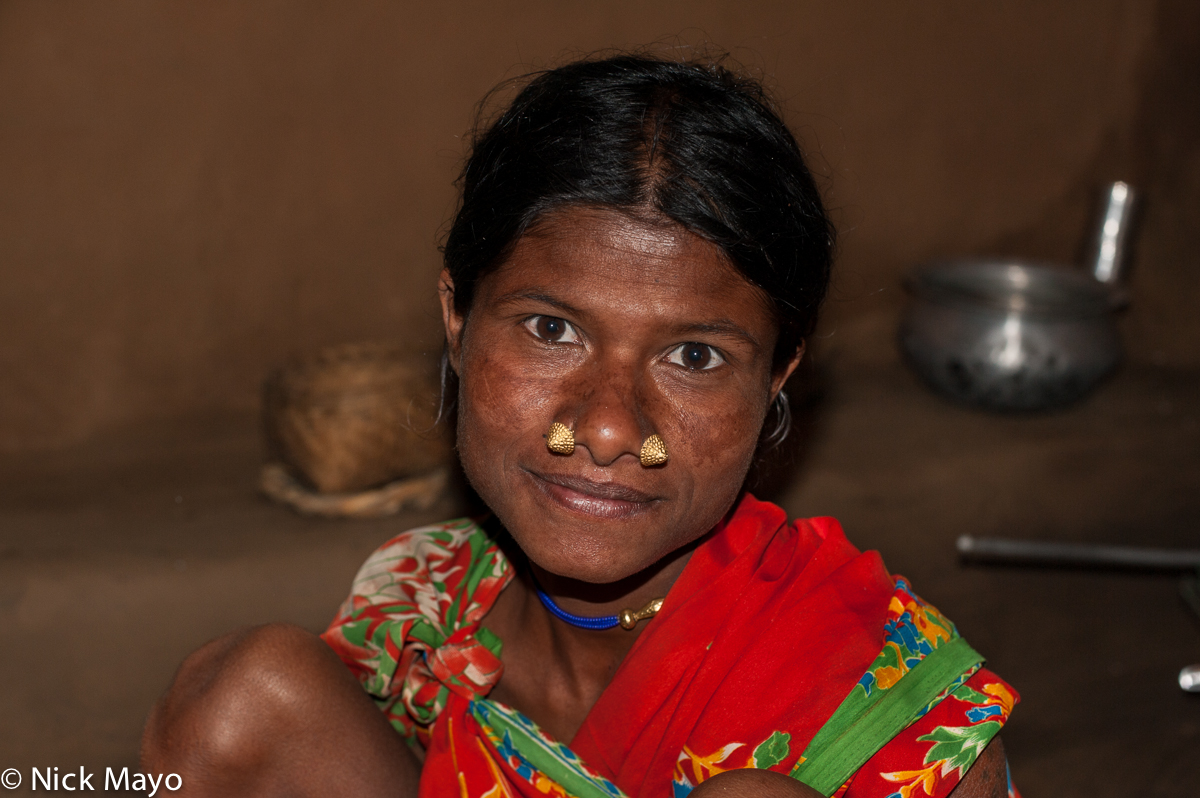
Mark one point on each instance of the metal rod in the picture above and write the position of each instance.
(1111, 245)
(1032, 552)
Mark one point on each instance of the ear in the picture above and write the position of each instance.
(451, 319)
(781, 376)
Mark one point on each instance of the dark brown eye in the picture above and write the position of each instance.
(697, 357)
(552, 329)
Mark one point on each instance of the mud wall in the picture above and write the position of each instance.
(192, 191)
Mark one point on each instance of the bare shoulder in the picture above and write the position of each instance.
(988, 777)
(752, 783)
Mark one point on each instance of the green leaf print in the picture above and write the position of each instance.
(356, 632)
(490, 641)
(959, 746)
(970, 696)
(772, 751)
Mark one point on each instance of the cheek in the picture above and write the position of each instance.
(500, 406)
(721, 437)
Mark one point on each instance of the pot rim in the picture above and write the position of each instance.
(1010, 285)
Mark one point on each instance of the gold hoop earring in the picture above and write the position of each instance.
(654, 451)
(560, 439)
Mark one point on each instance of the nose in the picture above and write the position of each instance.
(609, 417)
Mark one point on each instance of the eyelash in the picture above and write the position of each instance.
(674, 356)
(531, 324)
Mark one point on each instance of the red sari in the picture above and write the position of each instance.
(780, 646)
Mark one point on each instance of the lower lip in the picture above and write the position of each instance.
(591, 505)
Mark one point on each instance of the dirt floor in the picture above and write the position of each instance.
(119, 557)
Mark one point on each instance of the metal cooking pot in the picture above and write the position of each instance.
(1012, 335)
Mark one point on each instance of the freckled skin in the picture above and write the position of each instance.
(632, 292)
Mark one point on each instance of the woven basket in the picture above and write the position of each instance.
(351, 418)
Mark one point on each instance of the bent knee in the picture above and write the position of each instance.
(253, 671)
(234, 693)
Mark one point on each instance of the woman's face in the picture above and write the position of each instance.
(618, 329)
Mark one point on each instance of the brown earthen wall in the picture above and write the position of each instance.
(192, 191)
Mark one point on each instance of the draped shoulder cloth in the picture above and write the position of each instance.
(780, 646)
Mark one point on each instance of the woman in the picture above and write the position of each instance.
(639, 255)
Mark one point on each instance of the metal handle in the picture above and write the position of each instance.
(1076, 554)
(1034, 552)
(1111, 250)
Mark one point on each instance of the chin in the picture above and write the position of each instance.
(597, 551)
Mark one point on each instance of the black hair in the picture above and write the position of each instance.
(689, 142)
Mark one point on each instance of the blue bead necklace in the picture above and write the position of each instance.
(626, 619)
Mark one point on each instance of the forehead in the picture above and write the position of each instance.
(597, 255)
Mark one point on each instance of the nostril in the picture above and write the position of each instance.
(606, 443)
(608, 414)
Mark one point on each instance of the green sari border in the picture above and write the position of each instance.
(513, 733)
(856, 730)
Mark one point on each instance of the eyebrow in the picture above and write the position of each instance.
(719, 327)
(537, 296)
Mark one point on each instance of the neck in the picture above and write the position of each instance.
(555, 672)
(632, 593)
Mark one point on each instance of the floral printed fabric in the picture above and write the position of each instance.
(949, 740)
(913, 630)
(948, 735)
(410, 628)
(411, 632)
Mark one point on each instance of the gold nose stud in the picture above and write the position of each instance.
(654, 451)
(560, 439)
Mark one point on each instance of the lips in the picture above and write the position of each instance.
(597, 499)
